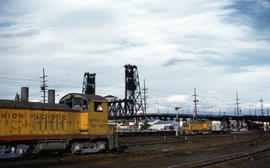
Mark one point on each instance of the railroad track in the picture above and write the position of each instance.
(144, 154)
(220, 160)
(180, 139)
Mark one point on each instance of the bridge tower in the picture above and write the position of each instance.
(89, 83)
(132, 103)
(133, 97)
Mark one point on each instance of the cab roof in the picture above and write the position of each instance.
(85, 96)
(33, 105)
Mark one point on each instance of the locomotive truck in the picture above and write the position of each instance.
(78, 124)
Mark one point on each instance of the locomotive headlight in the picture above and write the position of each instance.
(13, 150)
(101, 146)
(78, 147)
(21, 151)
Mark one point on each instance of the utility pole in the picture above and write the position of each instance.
(237, 108)
(195, 112)
(261, 100)
(237, 104)
(43, 87)
(144, 97)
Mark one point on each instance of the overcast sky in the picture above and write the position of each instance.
(216, 46)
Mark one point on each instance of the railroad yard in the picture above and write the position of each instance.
(128, 84)
(242, 149)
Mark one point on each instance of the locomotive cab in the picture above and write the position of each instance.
(93, 110)
(93, 116)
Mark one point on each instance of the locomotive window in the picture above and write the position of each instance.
(68, 102)
(98, 107)
(77, 103)
(185, 125)
(84, 107)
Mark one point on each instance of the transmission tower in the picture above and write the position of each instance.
(261, 100)
(43, 87)
(196, 101)
(89, 83)
(237, 104)
(144, 96)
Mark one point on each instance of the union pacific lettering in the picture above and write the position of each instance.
(11, 116)
(48, 116)
(42, 116)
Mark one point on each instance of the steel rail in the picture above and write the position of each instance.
(222, 159)
(238, 158)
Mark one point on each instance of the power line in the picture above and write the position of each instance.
(13, 79)
(162, 91)
(108, 71)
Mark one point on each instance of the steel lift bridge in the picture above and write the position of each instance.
(131, 104)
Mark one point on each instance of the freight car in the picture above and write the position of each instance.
(78, 124)
(201, 126)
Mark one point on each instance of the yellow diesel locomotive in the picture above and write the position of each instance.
(201, 126)
(78, 124)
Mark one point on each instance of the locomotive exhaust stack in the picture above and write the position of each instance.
(51, 96)
(24, 94)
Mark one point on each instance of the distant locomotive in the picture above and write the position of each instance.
(196, 127)
(78, 124)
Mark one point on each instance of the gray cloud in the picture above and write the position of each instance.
(7, 24)
(174, 61)
(209, 52)
(20, 34)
